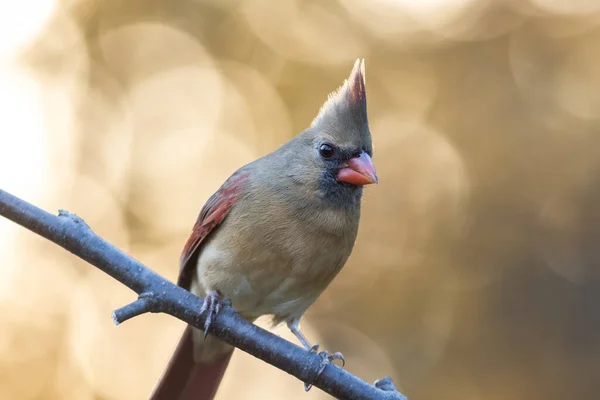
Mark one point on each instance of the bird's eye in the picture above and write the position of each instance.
(326, 150)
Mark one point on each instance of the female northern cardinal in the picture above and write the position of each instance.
(274, 236)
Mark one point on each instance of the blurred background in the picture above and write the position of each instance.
(475, 274)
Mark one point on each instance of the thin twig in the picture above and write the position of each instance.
(146, 302)
(157, 294)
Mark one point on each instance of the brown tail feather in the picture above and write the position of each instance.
(184, 379)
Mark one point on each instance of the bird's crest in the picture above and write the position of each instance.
(350, 98)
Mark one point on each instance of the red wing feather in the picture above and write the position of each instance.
(212, 214)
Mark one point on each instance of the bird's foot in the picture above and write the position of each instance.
(326, 359)
(213, 303)
(329, 357)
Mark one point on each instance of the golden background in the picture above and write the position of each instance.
(475, 274)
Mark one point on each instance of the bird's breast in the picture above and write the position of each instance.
(274, 264)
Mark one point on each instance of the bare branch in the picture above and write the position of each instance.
(156, 294)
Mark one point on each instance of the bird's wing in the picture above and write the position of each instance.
(212, 214)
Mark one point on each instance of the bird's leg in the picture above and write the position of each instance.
(294, 326)
(326, 358)
(213, 302)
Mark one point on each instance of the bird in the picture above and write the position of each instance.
(271, 239)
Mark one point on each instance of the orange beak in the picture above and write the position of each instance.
(358, 171)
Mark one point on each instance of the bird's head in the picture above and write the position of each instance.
(339, 143)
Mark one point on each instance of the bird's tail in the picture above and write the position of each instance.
(195, 369)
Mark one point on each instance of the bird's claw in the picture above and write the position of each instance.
(213, 303)
(325, 354)
(336, 356)
(326, 359)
